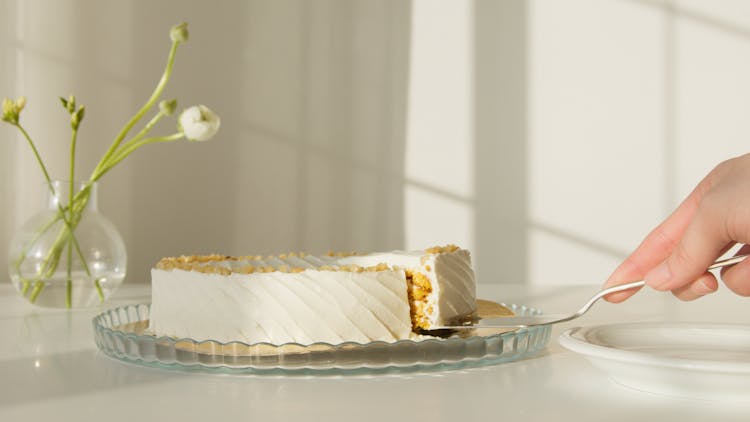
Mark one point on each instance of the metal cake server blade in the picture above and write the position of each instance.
(546, 319)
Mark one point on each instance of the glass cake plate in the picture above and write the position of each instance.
(121, 333)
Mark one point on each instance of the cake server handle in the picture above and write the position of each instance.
(534, 320)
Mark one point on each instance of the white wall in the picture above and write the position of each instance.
(547, 136)
(631, 103)
(312, 98)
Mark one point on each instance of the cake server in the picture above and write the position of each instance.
(545, 319)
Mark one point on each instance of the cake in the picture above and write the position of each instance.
(305, 299)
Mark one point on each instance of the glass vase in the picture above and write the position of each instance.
(67, 256)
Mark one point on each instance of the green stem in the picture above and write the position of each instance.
(67, 233)
(25, 283)
(81, 198)
(86, 269)
(61, 210)
(38, 157)
(149, 103)
(72, 214)
(73, 138)
(99, 290)
(126, 150)
(69, 282)
(105, 166)
(144, 131)
(53, 256)
(38, 286)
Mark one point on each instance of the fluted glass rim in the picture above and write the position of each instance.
(238, 357)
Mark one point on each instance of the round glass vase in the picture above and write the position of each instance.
(67, 257)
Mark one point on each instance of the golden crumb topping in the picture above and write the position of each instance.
(225, 264)
(442, 249)
(212, 264)
(341, 254)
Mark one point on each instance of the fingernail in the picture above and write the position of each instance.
(659, 277)
(705, 288)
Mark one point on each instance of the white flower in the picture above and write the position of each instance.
(199, 123)
(179, 33)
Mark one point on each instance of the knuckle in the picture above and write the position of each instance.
(723, 166)
(737, 223)
(665, 239)
(632, 268)
(712, 206)
(723, 169)
(681, 258)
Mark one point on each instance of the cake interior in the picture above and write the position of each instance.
(418, 288)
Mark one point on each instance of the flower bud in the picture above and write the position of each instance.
(168, 107)
(20, 104)
(199, 123)
(71, 104)
(12, 109)
(179, 33)
(8, 110)
(77, 117)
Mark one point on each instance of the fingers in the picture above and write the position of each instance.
(702, 242)
(656, 247)
(627, 271)
(704, 285)
(675, 255)
(737, 277)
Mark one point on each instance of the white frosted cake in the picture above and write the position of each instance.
(308, 299)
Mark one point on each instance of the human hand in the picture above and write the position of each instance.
(676, 254)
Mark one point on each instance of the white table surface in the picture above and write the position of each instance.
(50, 369)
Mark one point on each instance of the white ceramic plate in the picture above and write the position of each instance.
(697, 360)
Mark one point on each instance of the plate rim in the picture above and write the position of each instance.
(126, 346)
(573, 340)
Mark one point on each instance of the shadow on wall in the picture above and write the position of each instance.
(47, 51)
(313, 104)
(500, 136)
(310, 155)
(6, 142)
